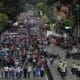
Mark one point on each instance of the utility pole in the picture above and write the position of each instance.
(77, 7)
(77, 23)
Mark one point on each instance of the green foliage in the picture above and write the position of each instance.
(1, 7)
(69, 22)
(9, 9)
(3, 21)
(49, 2)
(41, 6)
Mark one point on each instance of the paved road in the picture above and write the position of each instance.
(53, 68)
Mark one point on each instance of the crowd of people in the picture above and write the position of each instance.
(26, 50)
(21, 68)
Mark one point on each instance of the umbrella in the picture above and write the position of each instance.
(2, 54)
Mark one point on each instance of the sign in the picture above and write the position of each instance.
(67, 27)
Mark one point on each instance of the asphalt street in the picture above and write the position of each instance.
(53, 68)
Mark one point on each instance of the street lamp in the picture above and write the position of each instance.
(77, 7)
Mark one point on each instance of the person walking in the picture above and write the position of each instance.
(51, 60)
(38, 71)
(11, 72)
(21, 71)
(18, 72)
(6, 71)
(25, 72)
(29, 71)
(42, 71)
(1, 73)
(34, 71)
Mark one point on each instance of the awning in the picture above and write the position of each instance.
(53, 34)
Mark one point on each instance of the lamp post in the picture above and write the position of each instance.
(77, 7)
(77, 22)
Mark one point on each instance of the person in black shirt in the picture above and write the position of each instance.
(25, 72)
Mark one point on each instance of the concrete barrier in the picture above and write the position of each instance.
(48, 72)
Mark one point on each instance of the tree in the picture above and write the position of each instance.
(11, 7)
(1, 7)
(67, 25)
(41, 6)
(50, 2)
(3, 21)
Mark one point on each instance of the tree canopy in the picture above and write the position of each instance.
(9, 9)
(3, 21)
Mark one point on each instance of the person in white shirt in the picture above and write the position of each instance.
(18, 72)
(42, 71)
(34, 62)
(6, 71)
(15, 72)
(11, 72)
(29, 71)
(21, 71)
(28, 57)
(16, 62)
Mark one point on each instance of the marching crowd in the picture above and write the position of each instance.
(26, 51)
(18, 68)
(25, 55)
